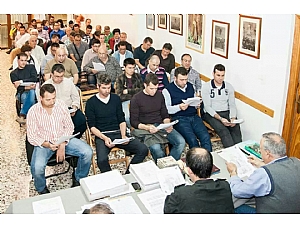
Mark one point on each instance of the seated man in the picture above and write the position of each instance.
(123, 37)
(143, 52)
(36, 51)
(77, 29)
(275, 184)
(25, 94)
(190, 125)
(88, 34)
(112, 67)
(127, 85)
(67, 92)
(106, 120)
(57, 30)
(61, 57)
(147, 111)
(121, 54)
(55, 39)
(167, 59)
(108, 34)
(153, 67)
(43, 134)
(48, 57)
(219, 106)
(205, 196)
(114, 40)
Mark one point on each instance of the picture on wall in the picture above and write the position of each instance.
(162, 21)
(220, 38)
(175, 23)
(195, 32)
(150, 21)
(249, 36)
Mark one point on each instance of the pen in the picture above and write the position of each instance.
(245, 152)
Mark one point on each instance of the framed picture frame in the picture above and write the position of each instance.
(150, 21)
(195, 32)
(175, 24)
(162, 21)
(220, 38)
(249, 35)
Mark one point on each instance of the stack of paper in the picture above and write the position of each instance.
(146, 174)
(193, 101)
(169, 178)
(153, 200)
(103, 185)
(166, 162)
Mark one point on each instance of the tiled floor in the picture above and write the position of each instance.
(15, 176)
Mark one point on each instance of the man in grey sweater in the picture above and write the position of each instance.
(220, 109)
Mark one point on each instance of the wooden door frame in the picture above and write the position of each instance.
(292, 89)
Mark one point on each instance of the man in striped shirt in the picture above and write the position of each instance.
(47, 121)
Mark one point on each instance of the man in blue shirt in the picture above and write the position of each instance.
(57, 30)
(276, 182)
(143, 52)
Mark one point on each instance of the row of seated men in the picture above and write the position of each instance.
(50, 118)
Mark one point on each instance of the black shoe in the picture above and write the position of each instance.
(75, 183)
(45, 191)
(8, 52)
(10, 68)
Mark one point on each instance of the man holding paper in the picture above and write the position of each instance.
(106, 120)
(189, 125)
(47, 122)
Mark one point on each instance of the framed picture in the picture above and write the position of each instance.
(150, 21)
(175, 23)
(195, 32)
(220, 38)
(162, 21)
(249, 36)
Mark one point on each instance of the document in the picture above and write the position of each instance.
(193, 101)
(64, 138)
(99, 66)
(27, 83)
(71, 110)
(164, 126)
(48, 206)
(169, 178)
(238, 121)
(153, 200)
(121, 141)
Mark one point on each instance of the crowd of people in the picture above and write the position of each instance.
(138, 89)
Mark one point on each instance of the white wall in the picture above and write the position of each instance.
(264, 80)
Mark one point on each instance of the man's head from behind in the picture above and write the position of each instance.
(129, 66)
(272, 146)
(151, 84)
(47, 95)
(104, 85)
(154, 62)
(181, 77)
(57, 73)
(100, 208)
(199, 162)
(60, 55)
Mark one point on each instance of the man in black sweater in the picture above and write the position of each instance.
(106, 120)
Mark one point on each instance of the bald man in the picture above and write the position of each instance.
(205, 196)
(153, 67)
(71, 70)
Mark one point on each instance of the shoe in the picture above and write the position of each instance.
(10, 68)
(8, 52)
(75, 183)
(45, 191)
(21, 120)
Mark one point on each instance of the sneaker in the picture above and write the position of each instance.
(10, 68)
(45, 191)
(21, 120)
(75, 183)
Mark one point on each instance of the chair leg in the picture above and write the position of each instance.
(94, 164)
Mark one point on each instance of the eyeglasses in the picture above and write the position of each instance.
(77, 40)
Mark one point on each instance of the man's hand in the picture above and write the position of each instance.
(183, 106)
(94, 71)
(232, 169)
(52, 146)
(75, 108)
(17, 84)
(125, 91)
(255, 161)
(124, 137)
(152, 129)
(60, 153)
(169, 129)
(225, 122)
(108, 142)
(232, 124)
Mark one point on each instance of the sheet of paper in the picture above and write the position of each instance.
(164, 126)
(146, 172)
(27, 83)
(64, 138)
(169, 178)
(238, 121)
(71, 110)
(121, 141)
(234, 155)
(193, 101)
(99, 66)
(48, 206)
(153, 200)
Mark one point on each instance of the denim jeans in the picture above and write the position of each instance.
(41, 155)
(177, 142)
(27, 99)
(245, 209)
(125, 107)
(192, 128)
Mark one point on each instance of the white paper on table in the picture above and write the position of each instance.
(169, 178)
(238, 121)
(164, 126)
(193, 101)
(145, 171)
(121, 141)
(235, 155)
(64, 138)
(27, 83)
(153, 200)
(48, 206)
(99, 66)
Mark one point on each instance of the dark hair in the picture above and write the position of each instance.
(33, 20)
(87, 19)
(58, 67)
(71, 22)
(185, 55)
(22, 26)
(76, 25)
(55, 45)
(168, 46)
(151, 78)
(95, 41)
(129, 61)
(180, 70)
(77, 35)
(89, 27)
(25, 48)
(200, 162)
(21, 54)
(116, 30)
(148, 39)
(72, 33)
(97, 33)
(61, 23)
(47, 88)
(44, 22)
(219, 67)
(103, 79)
(122, 43)
(54, 35)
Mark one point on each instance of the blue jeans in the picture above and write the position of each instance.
(192, 128)
(245, 209)
(177, 142)
(27, 99)
(125, 107)
(41, 155)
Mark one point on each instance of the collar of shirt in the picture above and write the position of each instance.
(182, 89)
(214, 86)
(277, 159)
(150, 71)
(105, 100)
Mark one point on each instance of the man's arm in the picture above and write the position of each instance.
(172, 109)
(198, 83)
(75, 96)
(231, 101)
(172, 203)
(89, 67)
(74, 72)
(172, 75)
